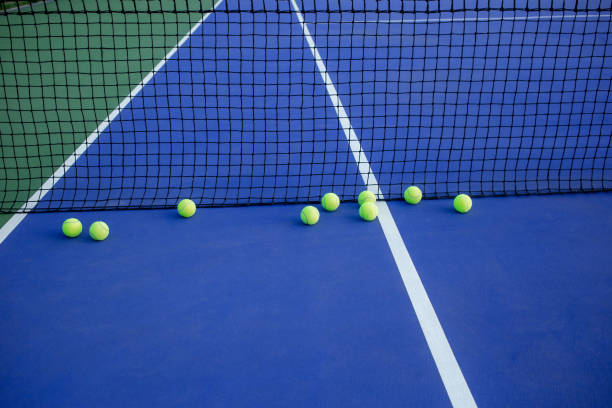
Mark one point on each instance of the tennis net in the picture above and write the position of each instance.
(110, 104)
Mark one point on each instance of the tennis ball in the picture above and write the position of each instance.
(309, 215)
(368, 211)
(72, 227)
(330, 202)
(186, 208)
(462, 203)
(366, 196)
(413, 195)
(98, 230)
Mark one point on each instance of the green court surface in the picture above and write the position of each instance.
(63, 71)
(10, 5)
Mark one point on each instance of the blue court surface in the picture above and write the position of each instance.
(509, 304)
(247, 306)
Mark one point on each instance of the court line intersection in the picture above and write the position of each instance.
(448, 368)
(48, 185)
(450, 372)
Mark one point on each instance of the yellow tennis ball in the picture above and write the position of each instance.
(413, 195)
(366, 196)
(462, 203)
(309, 215)
(98, 230)
(368, 211)
(72, 227)
(330, 202)
(186, 208)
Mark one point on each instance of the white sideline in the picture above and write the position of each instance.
(28, 5)
(452, 377)
(480, 19)
(14, 221)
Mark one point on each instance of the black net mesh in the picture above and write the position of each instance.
(111, 104)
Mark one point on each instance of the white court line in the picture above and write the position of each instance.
(12, 9)
(14, 221)
(452, 377)
(479, 19)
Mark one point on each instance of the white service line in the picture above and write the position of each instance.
(452, 377)
(14, 221)
(479, 19)
(12, 9)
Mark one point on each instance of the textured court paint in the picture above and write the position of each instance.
(450, 372)
(14, 221)
(242, 307)
(523, 286)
